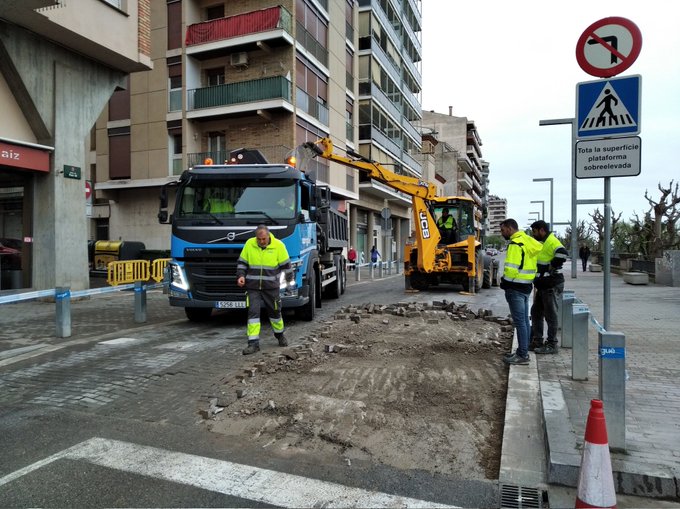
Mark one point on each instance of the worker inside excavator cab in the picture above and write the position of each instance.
(447, 226)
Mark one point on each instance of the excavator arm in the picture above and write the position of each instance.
(421, 192)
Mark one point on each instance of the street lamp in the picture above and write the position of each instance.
(552, 228)
(538, 214)
(542, 202)
(574, 240)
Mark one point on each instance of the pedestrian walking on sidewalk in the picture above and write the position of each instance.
(352, 257)
(375, 255)
(549, 284)
(518, 275)
(584, 254)
(259, 268)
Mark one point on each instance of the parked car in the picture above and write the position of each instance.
(492, 251)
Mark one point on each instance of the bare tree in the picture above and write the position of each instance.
(597, 226)
(666, 214)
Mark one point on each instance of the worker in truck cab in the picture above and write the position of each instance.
(218, 203)
(259, 268)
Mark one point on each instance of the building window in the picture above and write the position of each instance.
(119, 153)
(214, 12)
(174, 10)
(215, 76)
(176, 151)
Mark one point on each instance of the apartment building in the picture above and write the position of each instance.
(498, 211)
(59, 64)
(232, 74)
(455, 145)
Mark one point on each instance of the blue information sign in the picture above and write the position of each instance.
(609, 107)
(612, 352)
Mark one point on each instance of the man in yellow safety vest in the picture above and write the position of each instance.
(259, 268)
(518, 275)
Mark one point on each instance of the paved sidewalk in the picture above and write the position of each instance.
(648, 315)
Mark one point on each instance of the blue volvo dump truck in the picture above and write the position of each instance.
(217, 207)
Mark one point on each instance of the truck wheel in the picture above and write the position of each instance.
(343, 279)
(308, 310)
(198, 314)
(334, 290)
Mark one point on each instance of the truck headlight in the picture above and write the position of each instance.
(177, 277)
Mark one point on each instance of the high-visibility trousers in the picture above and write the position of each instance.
(271, 300)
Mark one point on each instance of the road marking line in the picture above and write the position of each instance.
(233, 479)
(118, 341)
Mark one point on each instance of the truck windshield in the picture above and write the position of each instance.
(210, 199)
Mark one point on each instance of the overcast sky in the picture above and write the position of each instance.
(507, 65)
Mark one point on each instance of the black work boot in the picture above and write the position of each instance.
(535, 343)
(253, 347)
(549, 348)
(282, 339)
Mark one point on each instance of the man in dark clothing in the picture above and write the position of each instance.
(549, 284)
(584, 254)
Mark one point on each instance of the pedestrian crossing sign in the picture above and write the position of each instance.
(608, 108)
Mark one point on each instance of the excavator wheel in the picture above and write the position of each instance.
(419, 281)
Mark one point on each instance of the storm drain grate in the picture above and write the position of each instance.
(518, 497)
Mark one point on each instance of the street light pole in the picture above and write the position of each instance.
(574, 239)
(542, 202)
(552, 228)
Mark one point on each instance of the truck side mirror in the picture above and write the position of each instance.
(163, 216)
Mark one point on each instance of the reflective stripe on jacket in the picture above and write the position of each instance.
(446, 224)
(550, 260)
(520, 262)
(262, 266)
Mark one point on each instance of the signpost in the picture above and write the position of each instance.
(608, 157)
(608, 47)
(608, 107)
(606, 110)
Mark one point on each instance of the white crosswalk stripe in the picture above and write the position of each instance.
(233, 479)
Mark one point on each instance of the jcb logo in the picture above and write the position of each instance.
(424, 224)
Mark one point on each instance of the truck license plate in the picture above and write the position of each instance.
(230, 304)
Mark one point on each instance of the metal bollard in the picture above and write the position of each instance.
(371, 270)
(568, 299)
(380, 269)
(62, 296)
(357, 269)
(612, 385)
(140, 302)
(568, 293)
(579, 334)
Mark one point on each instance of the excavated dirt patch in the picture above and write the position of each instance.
(421, 391)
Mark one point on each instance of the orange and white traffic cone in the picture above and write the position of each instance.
(595, 480)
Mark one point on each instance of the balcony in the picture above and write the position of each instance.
(371, 90)
(311, 106)
(309, 42)
(242, 32)
(465, 164)
(464, 182)
(244, 96)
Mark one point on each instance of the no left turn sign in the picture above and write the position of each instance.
(608, 47)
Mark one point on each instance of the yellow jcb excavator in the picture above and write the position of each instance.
(428, 259)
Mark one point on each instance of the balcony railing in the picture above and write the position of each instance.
(240, 25)
(309, 42)
(275, 87)
(311, 106)
(273, 154)
(175, 100)
(217, 156)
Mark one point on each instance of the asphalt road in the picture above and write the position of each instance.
(116, 423)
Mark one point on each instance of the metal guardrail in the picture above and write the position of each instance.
(63, 295)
